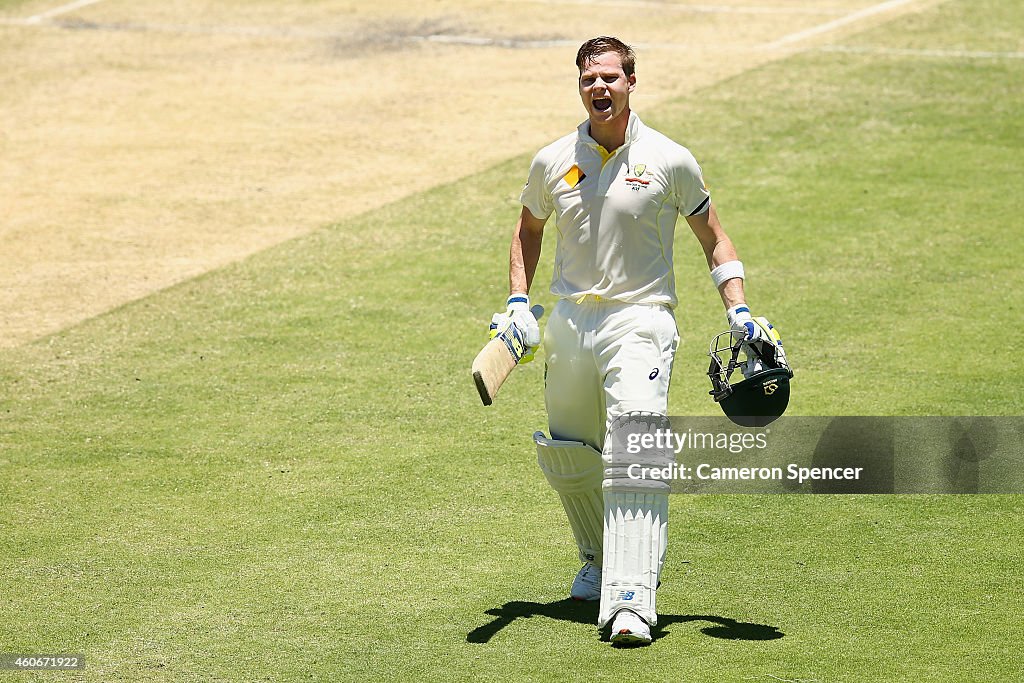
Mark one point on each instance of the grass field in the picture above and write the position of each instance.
(280, 471)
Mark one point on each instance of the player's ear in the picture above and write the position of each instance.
(632, 82)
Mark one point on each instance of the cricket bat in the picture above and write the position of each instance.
(499, 357)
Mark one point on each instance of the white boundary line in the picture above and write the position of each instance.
(911, 52)
(834, 24)
(452, 39)
(694, 9)
(57, 11)
(518, 43)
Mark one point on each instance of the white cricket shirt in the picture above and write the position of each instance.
(615, 219)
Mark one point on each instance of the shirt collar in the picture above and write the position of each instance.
(633, 131)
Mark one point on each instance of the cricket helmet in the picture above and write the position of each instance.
(761, 396)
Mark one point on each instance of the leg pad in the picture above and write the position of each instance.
(576, 471)
(635, 519)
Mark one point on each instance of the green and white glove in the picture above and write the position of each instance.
(742, 323)
(519, 313)
(757, 332)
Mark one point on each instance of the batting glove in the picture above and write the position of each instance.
(519, 313)
(742, 323)
(765, 337)
(771, 334)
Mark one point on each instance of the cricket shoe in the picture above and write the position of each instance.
(629, 630)
(587, 584)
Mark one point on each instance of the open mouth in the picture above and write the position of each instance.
(602, 103)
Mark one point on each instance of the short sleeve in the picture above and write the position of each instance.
(688, 185)
(536, 197)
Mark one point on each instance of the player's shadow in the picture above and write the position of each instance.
(586, 613)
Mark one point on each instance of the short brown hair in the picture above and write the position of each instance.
(590, 50)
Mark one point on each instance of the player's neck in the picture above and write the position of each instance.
(611, 135)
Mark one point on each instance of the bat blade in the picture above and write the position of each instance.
(491, 368)
(499, 358)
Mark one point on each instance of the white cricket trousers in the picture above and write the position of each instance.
(605, 358)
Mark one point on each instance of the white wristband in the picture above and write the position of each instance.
(726, 271)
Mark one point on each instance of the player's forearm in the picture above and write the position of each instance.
(523, 257)
(719, 250)
(731, 292)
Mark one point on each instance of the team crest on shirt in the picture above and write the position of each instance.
(637, 181)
